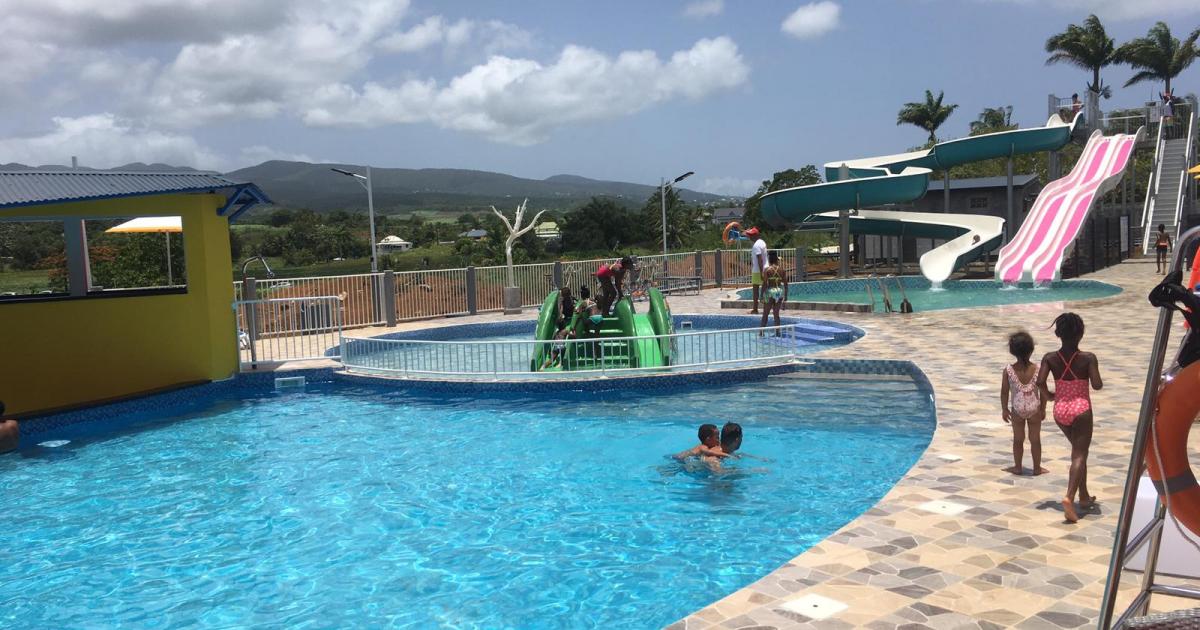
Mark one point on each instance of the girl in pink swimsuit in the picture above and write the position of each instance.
(1074, 371)
(1021, 403)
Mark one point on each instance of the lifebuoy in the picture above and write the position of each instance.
(1178, 404)
(1194, 278)
(732, 226)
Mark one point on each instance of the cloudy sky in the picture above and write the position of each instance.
(732, 89)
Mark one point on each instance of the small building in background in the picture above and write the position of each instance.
(722, 216)
(547, 230)
(475, 235)
(390, 244)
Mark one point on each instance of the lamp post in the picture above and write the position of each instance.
(662, 197)
(365, 181)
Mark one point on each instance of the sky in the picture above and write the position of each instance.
(632, 91)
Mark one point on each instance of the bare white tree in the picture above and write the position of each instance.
(515, 231)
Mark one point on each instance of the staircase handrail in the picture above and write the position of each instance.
(1151, 184)
(1187, 154)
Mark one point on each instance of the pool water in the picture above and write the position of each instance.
(354, 506)
(953, 293)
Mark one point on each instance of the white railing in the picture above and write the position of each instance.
(1151, 191)
(535, 281)
(1184, 178)
(437, 293)
(288, 329)
(509, 360)
(362, 294)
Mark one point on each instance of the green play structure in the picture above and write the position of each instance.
(591, 351)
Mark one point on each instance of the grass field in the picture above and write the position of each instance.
(24, 282)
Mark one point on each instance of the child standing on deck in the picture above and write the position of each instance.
(1073, 372)
(1021, 404)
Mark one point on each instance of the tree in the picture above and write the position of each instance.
(790, 178)
(1088, 47)
(1158, 55)
(993, 119)
(515, 231)
(682, 219)
(928, 115)
(599, 224)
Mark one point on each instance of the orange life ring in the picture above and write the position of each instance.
(1194, 278)
(725, 233)
(1178, 404)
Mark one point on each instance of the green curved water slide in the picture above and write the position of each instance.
(625, 339)
(902, 178)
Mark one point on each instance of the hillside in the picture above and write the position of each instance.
(401, 190)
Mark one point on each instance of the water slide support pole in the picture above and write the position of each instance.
(946, 190)
(1010, 215)
(844, 228)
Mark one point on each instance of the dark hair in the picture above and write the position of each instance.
(1162, 227)
(1020, 345)
(1068, 327)
(773, 258)
(707, 431)
(584, 293)
(1075, 95)
(626, 261)
(731, 433)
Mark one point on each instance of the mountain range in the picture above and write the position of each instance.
(402, 190)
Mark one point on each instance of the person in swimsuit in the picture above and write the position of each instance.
(611, 277)
(1073, 372)
(1162, 245)
(566, 308)
(774, 290)
(1021, 403)
(10, 431)
(590, 317)
(710, 444)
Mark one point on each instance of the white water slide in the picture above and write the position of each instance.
(1036, 252)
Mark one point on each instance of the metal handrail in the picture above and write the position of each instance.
(1122, 548)
(1183, 179)
(1151, 192)
(280, 329)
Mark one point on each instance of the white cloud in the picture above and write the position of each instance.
(1116, 9)
(520, 101)
(105, 141)
(812, 20)
(489, 36)
(704, 8)
(728, 186)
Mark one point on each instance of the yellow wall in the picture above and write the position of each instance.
(70, 352)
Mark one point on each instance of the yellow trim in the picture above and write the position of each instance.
(70, 352)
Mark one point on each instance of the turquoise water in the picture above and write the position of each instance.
(363, 507)
(953, 294)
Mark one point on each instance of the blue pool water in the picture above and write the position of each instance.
(349, 506)
(953, 294)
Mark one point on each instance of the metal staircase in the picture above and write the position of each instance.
(1169, 180)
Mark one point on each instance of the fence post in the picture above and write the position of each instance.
(472, 294)
(718, 269)
(700, 267)
(250, 294)
(801, 270)
(557, 274)
(389, 297)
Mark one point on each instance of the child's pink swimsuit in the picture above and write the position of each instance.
(1023, 397)
(1071, 397)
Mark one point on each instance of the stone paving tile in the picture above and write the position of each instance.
(1009, 560)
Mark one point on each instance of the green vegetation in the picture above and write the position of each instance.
(1158, 55)
(928, 115)
(1088, 47)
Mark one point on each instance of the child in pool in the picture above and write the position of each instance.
(557, 348)
(731, 441)
(1021, 404)
(1073, 372)
(710, 444)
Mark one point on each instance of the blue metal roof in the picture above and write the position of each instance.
(33, 188)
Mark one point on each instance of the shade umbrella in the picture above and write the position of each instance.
(1195, 170)
(154, 225)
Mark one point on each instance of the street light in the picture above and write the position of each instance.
(365, 181)
(662, 197)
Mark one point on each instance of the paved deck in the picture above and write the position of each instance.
(958, 543)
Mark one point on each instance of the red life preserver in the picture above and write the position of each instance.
(732, 225)
(1194, 278)
(1178, 404)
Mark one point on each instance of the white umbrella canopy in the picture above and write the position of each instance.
(155, 225)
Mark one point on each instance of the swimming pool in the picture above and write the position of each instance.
(357, 505)
(953, 294)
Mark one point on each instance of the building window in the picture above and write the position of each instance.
(979, 203)
(142, 253)
(33, 259)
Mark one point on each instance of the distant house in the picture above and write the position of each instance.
(721, 216)
(391, 244)
(547, 230)
(475, 235)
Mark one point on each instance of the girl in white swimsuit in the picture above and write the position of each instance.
(1021, 403)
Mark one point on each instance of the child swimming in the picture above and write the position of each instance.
(1021, 403)
(1073, 370)
(710, 444)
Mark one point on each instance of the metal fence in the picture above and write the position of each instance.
(385, 298)
(288, 329)
(1103, 241)
(508, 360)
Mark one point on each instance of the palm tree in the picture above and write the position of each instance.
(1088, 47)
(993, 119)
(928, 115)
(1158, 55)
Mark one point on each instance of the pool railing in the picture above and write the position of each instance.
(289, 329)
(700, 351)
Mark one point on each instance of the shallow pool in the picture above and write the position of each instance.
(953, 294)
(357, 506)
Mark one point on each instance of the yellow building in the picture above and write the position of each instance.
(77, 342)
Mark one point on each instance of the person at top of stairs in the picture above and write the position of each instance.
(1162, 245)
